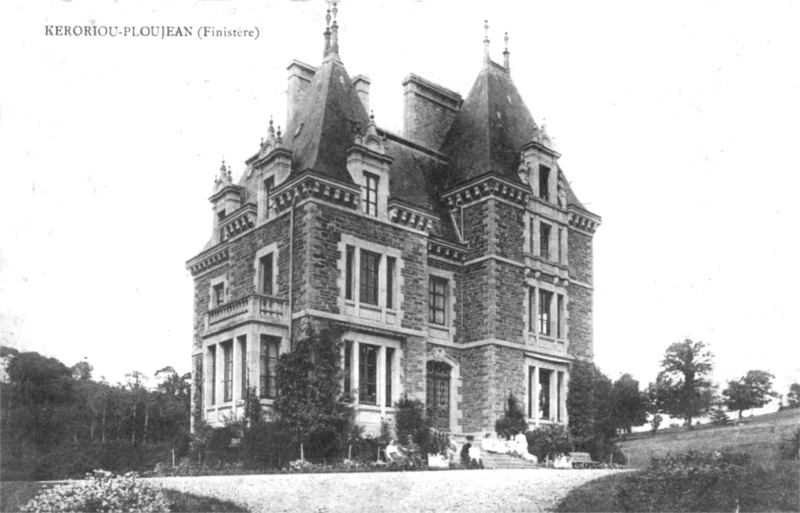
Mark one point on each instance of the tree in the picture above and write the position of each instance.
(793, 397)
(630, 403)
(82, 371)
(688, 364)
(753, 390)
(310, 402)
(658, 395)
(590, 406)
(513, 419)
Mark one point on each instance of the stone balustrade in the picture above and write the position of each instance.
(255, 307)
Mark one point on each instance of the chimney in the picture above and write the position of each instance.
(300, 76)
(362, 82)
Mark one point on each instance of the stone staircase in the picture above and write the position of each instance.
(493, 460)
(498, 461)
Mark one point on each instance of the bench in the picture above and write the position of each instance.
(582, 460)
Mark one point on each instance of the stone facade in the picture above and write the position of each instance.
(454, 259)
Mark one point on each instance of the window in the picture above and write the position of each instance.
(544, 393)
(268, 371)
(368, 374)
(544, 240)
(437, 294)
(390, 264)
(559, 384)
(545, 298)
(269, 184)
(559, 316)
(212, 356)
(369, 277)
(371, 195)
(544, 181)
(227, 377)
(243, 353)
(532, 309)
(348, 368)
(532, 235)
(219, 294)
(389, 359)
(559, 256)
(265, 274)
(349, 275)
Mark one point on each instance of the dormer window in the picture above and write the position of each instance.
(265, 274)
(269, 184)
(219, 294)
(371, 194)
(544, 181)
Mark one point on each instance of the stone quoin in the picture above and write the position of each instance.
(454, 259)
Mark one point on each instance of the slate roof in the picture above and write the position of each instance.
(487, 135)
(489, 130)
(324, 127)
(415, 179)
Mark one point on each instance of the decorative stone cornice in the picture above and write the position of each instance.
(230, 188)
(583, 220)
(238, 222)
(409, 216)
(310, 185)
(203, 263)
(446, 250)
(486, 186)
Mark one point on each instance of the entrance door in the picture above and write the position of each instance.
(438, 396)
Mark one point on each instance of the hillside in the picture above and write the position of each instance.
(758, 436)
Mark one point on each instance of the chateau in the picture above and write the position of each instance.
(454, 259)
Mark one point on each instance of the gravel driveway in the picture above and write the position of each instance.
(458, 490)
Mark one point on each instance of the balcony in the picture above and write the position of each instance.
(256, 307)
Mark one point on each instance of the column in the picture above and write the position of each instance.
(536, 396)
(354, 367)
(381, 378)
(554, 403)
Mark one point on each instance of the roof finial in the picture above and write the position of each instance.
(271, 129)
(335, 32)
(505, 53)
(486, 42)
(279, 139)
(327, 32)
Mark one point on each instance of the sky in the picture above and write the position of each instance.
(677, 123)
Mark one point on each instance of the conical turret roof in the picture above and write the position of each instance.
(326, 122)
(490, 129)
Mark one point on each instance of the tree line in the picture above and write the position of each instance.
(683, 389)
(58, 421)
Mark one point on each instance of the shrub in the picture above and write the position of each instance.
(513, 419)
(102, 491)
(548, 441)
(266, 446)
(695, 481)
(718, 416)
(411, 423)
(790, 446)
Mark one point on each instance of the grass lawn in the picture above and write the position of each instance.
(759, 436)
(763, 489)
(599, 496)
(15, 494)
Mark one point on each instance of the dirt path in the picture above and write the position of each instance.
(485, 491)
